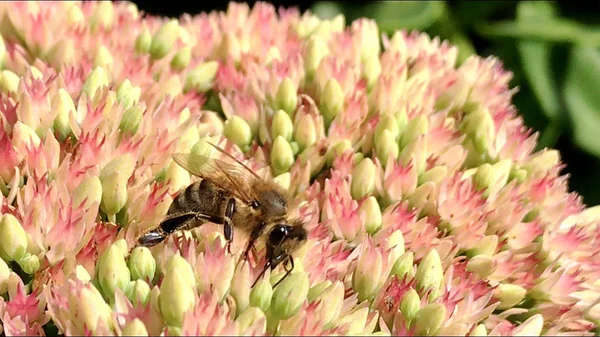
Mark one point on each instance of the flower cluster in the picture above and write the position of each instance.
(429, 212)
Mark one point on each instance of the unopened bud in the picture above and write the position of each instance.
(29, 263)
(371, 70)
(182, 58)
(363, 179)
(479, 330)
(409, 306)
(63, 106)
(386, 146)
(542, 161)
(4, 275)
(250, 317)
(286, 97)
(229, 48)
(142, 264)
(435, 175)
(9, 81)
(289, 295)
(92, 309)
(429, 273)
(102, 16)
(238, 131)
(403, 267)
(130, 121)
(332, 100)
(316, 50)
(103, 58)
(201, 77)
(82, 274)
(13, 239)
(177, 176)
(305, 132)
(388, 122)
(282, 125)
(485, 246)
(482, 265)
(283, 180)
(261, 294)
(479, 125)
(128, 95)
(75, 17)
(355, 322)
(332, 300)
(112, 271)
(531, 327)
(282, 156)
(139, 293)
(143, 41)
(135, 327)
(177, 294)
(24, 136)
(416, 127)
(370, 214)
(240, 288)
(164, 39)
(509, 295)
(315, 291)
(337, 150)
(429, 319)
(96, 79)
(114, 193)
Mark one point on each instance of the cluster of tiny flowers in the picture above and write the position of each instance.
(427, 208)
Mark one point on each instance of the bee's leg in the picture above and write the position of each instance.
(157, 235)
(262, 273)
(253, 237)
(290, 259)
(227, 224)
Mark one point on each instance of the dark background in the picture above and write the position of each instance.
(582, 159)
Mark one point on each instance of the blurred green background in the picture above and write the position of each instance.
(552, 48)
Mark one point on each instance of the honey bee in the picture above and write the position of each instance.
(231, 194)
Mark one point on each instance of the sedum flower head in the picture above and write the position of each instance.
(428, 211)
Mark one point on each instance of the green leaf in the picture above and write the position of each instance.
(326, 10)
(394, 15)
(535, 58)
(582, 98)
(468, 12)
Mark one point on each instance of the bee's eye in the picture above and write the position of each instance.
(278, 233)
(254, 204)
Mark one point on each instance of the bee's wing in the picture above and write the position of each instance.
(228, 174)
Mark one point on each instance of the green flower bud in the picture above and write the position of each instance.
(177, 294)
(130, 121)
(102, 16)
(96, 79)
(142, 264)
(531, 327)
(103, 58)
(238, 131)
(315, 291)
(436, 175)
(429, 319)
(24, 136)
(283, 180)
(4, 275)
(29, 263)
(355, 322)
(317, 49)
(363, 179)
(409, 306)
(250, 317)
(386, 146)
(332, 301)
(332, 100)
(240, 288)
(75, 17)
(282, 125)
(143, 41)
(173, 330)
(112, 271)
(9, 81)
(370, 214)
(371, 70)
(164, 39)
(388, 122)
(92, 309)
(90, 190)
(139, 293)
(485, 246)
(114, 193)
(282, 156)
(337, 150)
(128, 95)
(63, 105)
(305, 132)
(201, 77)
(479, 125)
(289, 295)
(182, 58)
(135, 327)
(404, 266)
(482, 265)
(286, 97)
(479, 330)
(261, 295)
(177, 176)
(509, 295)
(82, 274)
(542, 161)
(416, 127)
(13, 239)
(203, 148)
(429, 272)
(455, 96)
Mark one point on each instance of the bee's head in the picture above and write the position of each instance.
(270, 204)
(283, 240)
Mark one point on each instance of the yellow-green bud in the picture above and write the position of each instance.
(82, 274)
(317, 49)
(250, 317)
(332, 300)
(355, 322)
(74, 16)
(282, 156)
(337, 150)
(282, 125)
(177, 176)
(135, 327)
(128, 95)
(9, 81)
(13, 239)
(130, 121)
(332, 100)
(142, 264)
(238, 131)
(29, 263)
(531, 327)
(261, 295)
(114, 193)
(103, 58)
(542, 161)
(164, 39)
(485, 246)
(240, 287)
(289, 295)
(371, 70)
(363, 179)
(24, 136)
(283, 180)
(479, 125)
(173, 330)
(370, 214)
(286, 97)
(479, 330)
(315, 291)
(416, 127)
(91, 308)
(4, 274)
(143, 41)
(203, 148)
(177, 294)
(139, 292)
(509, 295)
(90, 190)
(96, 79)
(482, 265)
(455, 95)
(386, 146)
(272, 55)
(182, 58)
(404, 266)
(112, 271)
(409, 306)
(388, 122)
(63, 106)
(429, 319)
(429, 272)
(229, 47)
(435, 175)
(305, 132)
(201, 77)
(103, 15)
